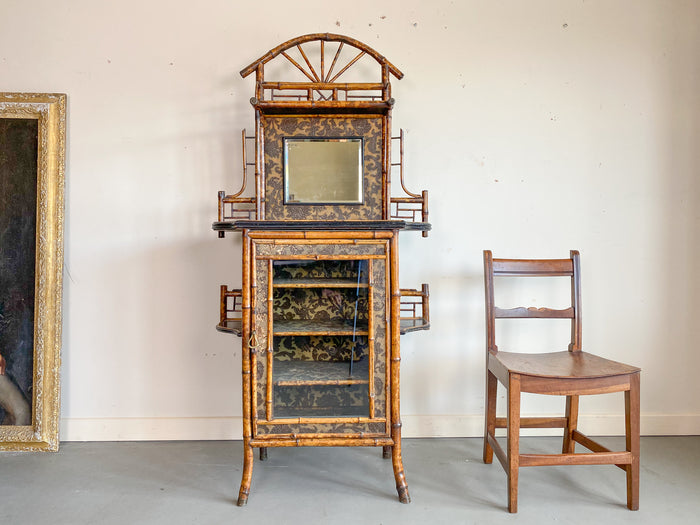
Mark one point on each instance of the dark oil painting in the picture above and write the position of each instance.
(18, 211)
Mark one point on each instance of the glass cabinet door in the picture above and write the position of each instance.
(322, 351)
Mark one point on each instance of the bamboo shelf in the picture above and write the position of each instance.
(414, 310)
(318, 283)
(231, 326)
(313, 327)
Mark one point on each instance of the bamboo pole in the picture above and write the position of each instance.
(270, 339)
(386, 167)
(245, 379)
(347, 86)
(328, 440)
(379, 107)
(397, 461)
(253, 342)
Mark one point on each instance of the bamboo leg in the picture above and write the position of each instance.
(490, 423)
(247, 473)
(513, 441)
(386, 452)
(632, 439)
(569, 445)
(263, 453)
(246, 377)
(401, 486)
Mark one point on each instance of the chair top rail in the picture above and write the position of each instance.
(541, 267)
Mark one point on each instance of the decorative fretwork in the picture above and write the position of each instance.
(324, 61)
(414, 207)
(414, 309)
(230, 311)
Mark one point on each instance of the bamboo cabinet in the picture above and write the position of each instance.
(320, 310)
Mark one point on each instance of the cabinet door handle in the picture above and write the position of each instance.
(253, 341)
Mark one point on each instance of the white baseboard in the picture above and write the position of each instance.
(227, 428)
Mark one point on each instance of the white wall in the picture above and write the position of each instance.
(536, 126)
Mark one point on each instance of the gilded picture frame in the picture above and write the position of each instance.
(32, 170)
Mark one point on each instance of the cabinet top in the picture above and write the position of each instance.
(224, 226)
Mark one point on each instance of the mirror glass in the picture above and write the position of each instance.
(323, 170)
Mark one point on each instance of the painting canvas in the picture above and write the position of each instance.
(32, 153)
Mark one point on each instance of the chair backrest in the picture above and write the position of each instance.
(538, 268)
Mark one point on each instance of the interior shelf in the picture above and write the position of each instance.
(318, 283)
(313, 327)
(300, 373)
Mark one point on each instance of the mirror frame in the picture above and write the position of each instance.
(360, 175)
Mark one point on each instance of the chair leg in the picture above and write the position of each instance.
(513, 441)
(569, 444)
(490, 414)
(632, 439)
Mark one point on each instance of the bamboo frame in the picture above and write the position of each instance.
(409, 309)
(228, 321)
(414, 207)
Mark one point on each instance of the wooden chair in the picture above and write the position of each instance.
(569, 373)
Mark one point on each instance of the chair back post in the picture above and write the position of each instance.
(490, 314)
(576, 331)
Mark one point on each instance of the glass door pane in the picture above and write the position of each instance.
(321, 338)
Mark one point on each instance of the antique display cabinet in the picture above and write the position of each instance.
(320, 310)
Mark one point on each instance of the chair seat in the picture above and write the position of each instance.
(562, 364)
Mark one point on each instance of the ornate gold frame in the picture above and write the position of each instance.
(50, 110)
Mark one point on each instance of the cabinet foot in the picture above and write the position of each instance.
(263, 453)
(403, 494)
(401, 486)
(386, 452)
(247, 475)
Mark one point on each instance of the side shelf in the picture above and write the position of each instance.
(415, 310)
(230, 317)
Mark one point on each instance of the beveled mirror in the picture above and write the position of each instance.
(323, 170)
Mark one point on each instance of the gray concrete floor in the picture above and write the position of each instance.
(197, 483)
